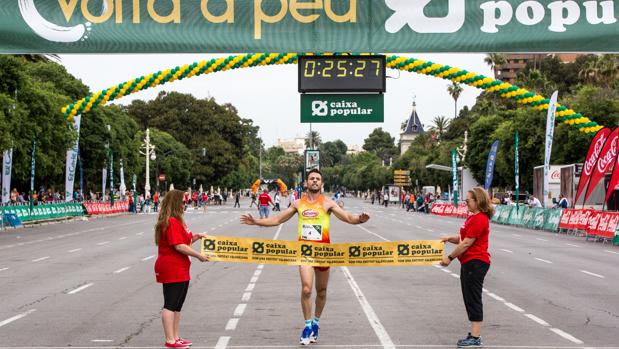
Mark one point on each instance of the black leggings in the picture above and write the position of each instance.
(472, 274)
(174, 294)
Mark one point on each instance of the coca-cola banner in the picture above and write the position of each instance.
(592, 156)
(605, 162)
(614, 179)
(606, 225)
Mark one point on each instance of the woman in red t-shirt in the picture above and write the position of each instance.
(472, 251)
(172, 266)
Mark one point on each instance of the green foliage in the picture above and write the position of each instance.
(332, 153)
(381, 143)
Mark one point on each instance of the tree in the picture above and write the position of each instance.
(332, 153)
(382, 144)
(454, 91)
(494, 59)
(440, 126)
(312, 140)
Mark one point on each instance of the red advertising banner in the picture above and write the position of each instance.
(592, 156)
(96, 208)
(607, 225)
(564, 223)
(450, 210)
(605, 162)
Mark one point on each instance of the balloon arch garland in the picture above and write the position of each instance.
(457, 75)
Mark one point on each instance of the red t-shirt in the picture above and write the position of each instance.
(264, 199)
(171, 265)
(476, 226)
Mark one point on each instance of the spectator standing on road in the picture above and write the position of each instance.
(156, 201)
(277, 201)
(472, 251)
(386, 199)
(253, 200)
(264, 201)
(174, 241)
(237, 199)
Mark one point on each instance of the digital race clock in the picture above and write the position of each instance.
(342, 74)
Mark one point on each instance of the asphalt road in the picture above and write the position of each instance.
(91, 284)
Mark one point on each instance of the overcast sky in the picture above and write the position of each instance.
(269, 96)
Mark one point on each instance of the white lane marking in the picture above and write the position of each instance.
(536, 319)
(260, 266)
(121, 270)
(3, 269)
(377, 235)
(16, 317)
(540, 239)
(447, 271)
(430, 230)
(418, 227)
(83, 287)
(240, 309)
(508, 251)
(74, 250)
(573, 245)
(380, 331)
(140, 233)
(611, 251)
(514, 307)
(40, 259)
(254, 279)
(257, 272)
(566, 335)
(592, 274)
(101, 340)
(222, 342)
(279, 230)
(103, 243)
(437, 266)
(492, 295)
(231, 325)
(149, 257)
(122, 238)
(250, 287)
(516, 235)
(246, 296)
(455, 275)
(543, 260)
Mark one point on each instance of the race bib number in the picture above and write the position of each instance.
(311, 232)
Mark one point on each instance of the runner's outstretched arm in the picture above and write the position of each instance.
(346, 216)
(271, 221)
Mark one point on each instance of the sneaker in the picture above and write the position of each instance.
(175, 345)
(470, 341)
(184, 341)
(305, 336)
(314, 335)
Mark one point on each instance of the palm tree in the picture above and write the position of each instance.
(312, 140)
(455, 90)
(601, 70)
(494, 59)
(440, 125)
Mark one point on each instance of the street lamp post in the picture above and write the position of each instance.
(149, 152)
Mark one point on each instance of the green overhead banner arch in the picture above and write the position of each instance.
(238, 26)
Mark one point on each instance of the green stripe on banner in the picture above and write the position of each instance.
(552, 217)
(30, 26)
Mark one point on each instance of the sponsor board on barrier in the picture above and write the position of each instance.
(248, 250)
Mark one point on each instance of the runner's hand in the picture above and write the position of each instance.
(248, 219)
(203, 258)
(445, 238)
(445, 262)
(363, 217)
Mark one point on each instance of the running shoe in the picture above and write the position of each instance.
(314, 335)
(184, 341)
(175, 345)
(470, 342)
(305, 336)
